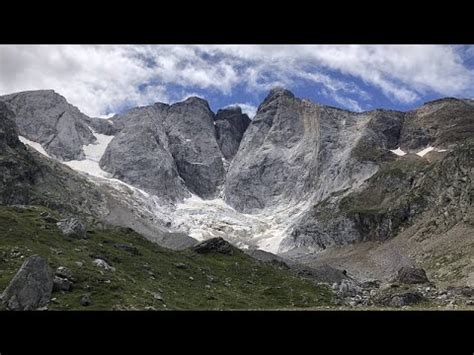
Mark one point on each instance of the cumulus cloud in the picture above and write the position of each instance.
(103, 79)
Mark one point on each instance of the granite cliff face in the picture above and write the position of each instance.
(295, 150)
(139, 154)
(170, 151)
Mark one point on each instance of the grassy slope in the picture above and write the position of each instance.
(239, 281)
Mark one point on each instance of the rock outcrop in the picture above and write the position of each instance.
(411, 275)
(31, 287)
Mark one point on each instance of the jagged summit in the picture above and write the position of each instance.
(279, 91)
(193, 100)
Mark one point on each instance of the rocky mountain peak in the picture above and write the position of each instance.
(279, 92)
(194, 100)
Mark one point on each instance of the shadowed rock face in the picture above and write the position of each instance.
(231, 124)
(17, 168)
(47, 118)
(192, 143)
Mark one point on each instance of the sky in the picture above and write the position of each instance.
(102, 80)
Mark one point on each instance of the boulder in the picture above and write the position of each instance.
(31, 287)
(72, 227)
(411, 275)
(103, 264)
(64, 272)
(214, 245)
(61, 284)
(348, 289)
(86, 300)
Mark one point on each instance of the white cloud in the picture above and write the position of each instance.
(102, 79)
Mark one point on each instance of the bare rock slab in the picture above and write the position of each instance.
(31, 287)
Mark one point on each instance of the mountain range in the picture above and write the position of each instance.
(302, 184)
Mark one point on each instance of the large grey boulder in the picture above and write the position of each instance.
(46, 117)
(140, 156)
(62, 284)
(411, 275)
(192, 143)
(31, 287)
(231, 124)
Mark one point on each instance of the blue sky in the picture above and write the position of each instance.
(102, 80)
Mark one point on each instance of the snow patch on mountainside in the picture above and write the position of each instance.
(398, 152)
(93, 153)
(425, 151)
